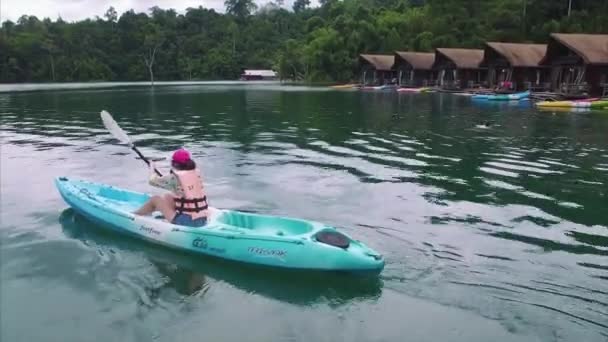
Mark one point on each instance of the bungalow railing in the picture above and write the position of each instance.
(545, 86)
(477, 84)
(574, 88)
(417, 83)
(430, 83)
(451, 84)
(407, 83)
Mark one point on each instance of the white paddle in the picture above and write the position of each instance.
(120, 135)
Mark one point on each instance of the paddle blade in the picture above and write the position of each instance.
(114, 129)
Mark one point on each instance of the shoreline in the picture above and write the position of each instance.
(30, 87)
(25, 87)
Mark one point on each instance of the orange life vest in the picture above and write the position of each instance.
(194, 200)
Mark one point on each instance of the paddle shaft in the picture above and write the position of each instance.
(145, 159)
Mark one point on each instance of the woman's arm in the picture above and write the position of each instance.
(166, 182)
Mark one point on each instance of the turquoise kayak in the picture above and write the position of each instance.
(245, 237)
(502, 97)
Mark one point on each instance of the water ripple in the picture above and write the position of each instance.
(581, 318)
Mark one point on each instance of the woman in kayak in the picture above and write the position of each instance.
(187, 203)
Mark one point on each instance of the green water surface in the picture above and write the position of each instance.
(489, 234)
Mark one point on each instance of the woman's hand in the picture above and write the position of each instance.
(152, 167)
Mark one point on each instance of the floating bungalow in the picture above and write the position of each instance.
(515, 66)
(414, 69)
(377, 69)
(459, 68)
(578, 62)
(258, 75)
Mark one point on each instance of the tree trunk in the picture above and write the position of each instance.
(295, 73)
(149, 61)
(151, 74)
(52, 67)
(77, 66)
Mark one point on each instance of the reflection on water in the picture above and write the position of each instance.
(507, 221)
(187, 273)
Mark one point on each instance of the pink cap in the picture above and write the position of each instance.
(181, 156)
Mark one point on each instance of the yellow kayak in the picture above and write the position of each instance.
(414, 90)
(573, 104)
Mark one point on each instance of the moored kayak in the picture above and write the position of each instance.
(564, 110)
(574, 104)
(414, 90)
(382, 87)
(245, 237)
(502, 97)
(344, 86)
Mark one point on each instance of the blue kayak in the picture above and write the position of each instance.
(239, 236)
(502, 97)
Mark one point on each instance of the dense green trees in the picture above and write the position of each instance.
(313, 44)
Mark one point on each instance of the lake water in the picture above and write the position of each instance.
(489, 234)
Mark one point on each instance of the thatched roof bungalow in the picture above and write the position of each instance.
(376, 69)
(579, 62)
(515, 64)
(414, 69)
(459, 68)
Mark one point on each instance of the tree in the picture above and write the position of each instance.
(233, 31)
(49, 46)
(153, 40)
(314, 23)
(240, 8)
(290, 61)
(187, 66)
(111, 15)
(300, 5)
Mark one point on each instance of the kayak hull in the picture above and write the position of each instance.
(251, 238)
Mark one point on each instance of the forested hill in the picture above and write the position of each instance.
(314, 44)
